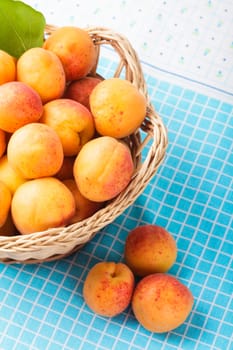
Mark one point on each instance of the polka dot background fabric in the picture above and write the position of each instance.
(187, 37)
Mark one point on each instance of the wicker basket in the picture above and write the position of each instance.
(59, 242)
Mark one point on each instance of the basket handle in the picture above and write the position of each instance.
(128, 57)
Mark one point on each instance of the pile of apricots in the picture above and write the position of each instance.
(62, 154)
(159, 301)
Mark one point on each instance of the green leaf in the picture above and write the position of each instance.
(21, 27)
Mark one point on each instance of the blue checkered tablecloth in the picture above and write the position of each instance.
(41, 306)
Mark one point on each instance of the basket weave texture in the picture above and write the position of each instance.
(56, 243)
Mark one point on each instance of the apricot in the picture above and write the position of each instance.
(7, 67)
(43, 71)
(35, 150)
(40, 204)
(9, 175)
(84, 207)
(118, 107)
(72, 121)
(19, 105)
(5, 200)
(108, 288)
(2, 142)
(75, 49)
(103, 168)
(66, 170)
(8, 228)
(161, 303)
(80, 90)
(150, 249)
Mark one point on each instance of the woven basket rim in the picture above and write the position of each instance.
(58, 242)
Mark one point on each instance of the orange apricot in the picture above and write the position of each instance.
(8, 228)
(150, 249)
(72, 121)
(103, 168)
(84, 207)
(80, 90)
(40, 204)
(108, 288)
(9, 175)
(35, 150)
(5, 200)
(75, 49)
(118, 107)
(66, 170)
(43, 71)
(19, 105)
(161, 303)
(2, 142)
(7, 67)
